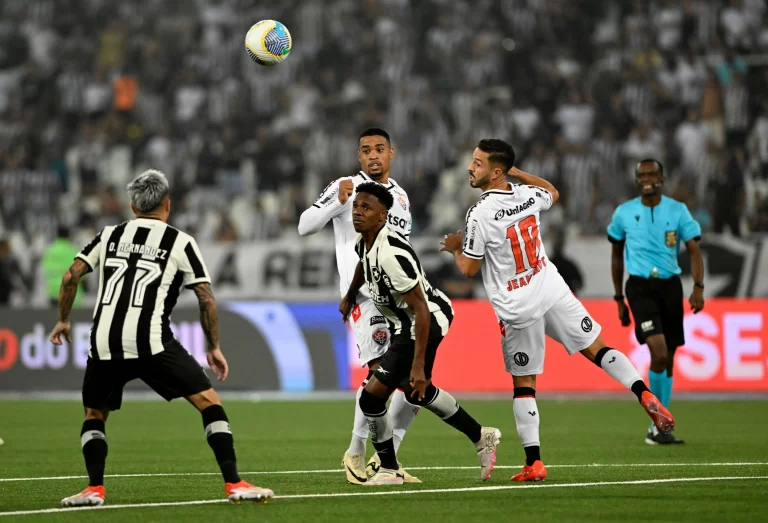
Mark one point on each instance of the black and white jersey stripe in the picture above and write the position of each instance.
(142, 266)
(391, 269)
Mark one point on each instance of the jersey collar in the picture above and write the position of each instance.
(369, 179)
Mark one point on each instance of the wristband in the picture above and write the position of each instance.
(619, 297)
(699, 284)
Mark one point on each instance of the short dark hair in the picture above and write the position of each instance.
(62, 231)
(649, 160)
(379, 191)
(375, 131)
(498, 151)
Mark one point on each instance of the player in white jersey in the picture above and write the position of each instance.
(371, 330)
(530, 298)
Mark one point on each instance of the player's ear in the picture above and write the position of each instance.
(391, 152)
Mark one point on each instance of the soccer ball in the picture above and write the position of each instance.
(268, 42)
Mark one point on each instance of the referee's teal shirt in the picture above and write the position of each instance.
(652, 236)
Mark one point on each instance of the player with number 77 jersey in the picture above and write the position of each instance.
(530, 298)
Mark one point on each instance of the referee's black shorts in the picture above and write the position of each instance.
(657, 308)
(173, 373)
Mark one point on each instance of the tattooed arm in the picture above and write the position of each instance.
(209, 314)
(67, 292)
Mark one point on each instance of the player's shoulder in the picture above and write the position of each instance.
(673, 203)
(629, 205)
(483, 204)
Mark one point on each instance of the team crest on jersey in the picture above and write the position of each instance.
(670, 238)
(402, 202)
(380, 336)
(376, 274)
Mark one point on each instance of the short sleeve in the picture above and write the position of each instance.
(616, 228)
(192, 266)
(402, 270)
(542, 196)
(329, 195)
(91, 252)
(687, 227)
(474, 237)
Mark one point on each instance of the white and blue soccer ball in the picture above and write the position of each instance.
(268, 42)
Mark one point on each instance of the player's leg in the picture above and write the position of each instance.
(373, 404)
(671, 301)
(102, 392)
(174, 373)
(646, 306)
(523, 351)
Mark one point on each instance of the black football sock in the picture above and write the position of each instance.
(532, 454)
(380, 427)
(638, 388)
(220, 439)
(93, 439)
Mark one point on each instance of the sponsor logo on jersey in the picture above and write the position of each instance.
(586, 324)
(381, 336)
(514, 210)
(402, 202)
(646, 326)
(387, 282)
(670, 238)
(375, 320)
(520, 359)
(396, 221)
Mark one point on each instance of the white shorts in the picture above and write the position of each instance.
(371, 331)
(567, 322)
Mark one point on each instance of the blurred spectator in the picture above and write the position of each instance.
(729, 193)
(56, 260)
(11, 277)
(565, 265)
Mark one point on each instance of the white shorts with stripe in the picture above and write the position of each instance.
(567, 322)
(371, 331)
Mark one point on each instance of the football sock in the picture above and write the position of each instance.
(359, 428)
(402, 415)
(93, 439)
(667, 395)
(444, 405)
(380, 428)
(527, 421)
(220, 439)
(618, 367)
(657, 382)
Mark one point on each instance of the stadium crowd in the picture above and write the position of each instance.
(93, 92)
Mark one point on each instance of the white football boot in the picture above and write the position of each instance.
(486, 450)
(385, 477)
(374, 464)
(354, 466)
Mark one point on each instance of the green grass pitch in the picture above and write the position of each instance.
(295, 448)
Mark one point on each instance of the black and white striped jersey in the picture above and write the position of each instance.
(142, 265)
(391, 269)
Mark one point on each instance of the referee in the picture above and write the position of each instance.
(647, 232)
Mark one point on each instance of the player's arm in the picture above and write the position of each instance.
(467, 266)
(468, 253)
(67, 292)
(354, 287)
(690, 233)
(209, 313)
(418, 303)
(329, 205)
(617, 237)
(529, 179)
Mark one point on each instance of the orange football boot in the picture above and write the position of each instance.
(535, 472)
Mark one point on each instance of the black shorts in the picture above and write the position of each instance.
(394, 368)
(657, 308)
(173, 373)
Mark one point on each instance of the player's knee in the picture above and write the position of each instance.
(96, 414)
(372, 405)
(429, 396)
(659, 359)
(205, 399)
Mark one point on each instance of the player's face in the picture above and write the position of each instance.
(649, 178)
(367, 212)
(481, 172)
(374, 153)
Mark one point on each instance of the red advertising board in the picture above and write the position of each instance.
(726, 350)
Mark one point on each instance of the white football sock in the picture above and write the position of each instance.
(359, 429)
(402, 415)
(618, 367)
(527, 420)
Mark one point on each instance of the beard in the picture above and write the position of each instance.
(479, 183)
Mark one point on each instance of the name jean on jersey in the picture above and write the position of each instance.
(133, 248)
(515, 210)
(516, 283)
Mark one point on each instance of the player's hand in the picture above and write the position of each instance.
(623, 313)
(62, 327)
(452, 242)
(218, 363)
(696, 300)
(345, 307)
(419, 382)
(346, 188)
